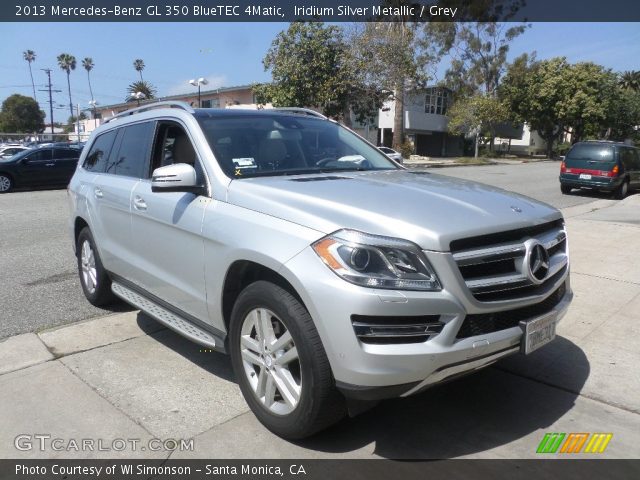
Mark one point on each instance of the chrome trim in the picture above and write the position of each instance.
(151, 106)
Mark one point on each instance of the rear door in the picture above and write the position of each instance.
(112, 195)
(66, 160)
(590, 158)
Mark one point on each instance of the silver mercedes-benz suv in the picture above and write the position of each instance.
(333, 276)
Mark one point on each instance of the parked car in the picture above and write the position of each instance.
(332, 276)
(391, 153)
(38, 167)
(601, 165)
(11, 150)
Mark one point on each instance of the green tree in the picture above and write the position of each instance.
(145, 88)
(623, 116)
(139, 65)
(480, 115)
(20, 114)
(30, 56)
(307, 67)
(67, 63)
(479, 54)
(630, 80)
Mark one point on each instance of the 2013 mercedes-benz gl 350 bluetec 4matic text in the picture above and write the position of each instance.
(333, 276)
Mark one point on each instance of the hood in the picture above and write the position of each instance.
(428, 209)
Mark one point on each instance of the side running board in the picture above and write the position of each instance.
(177, 323)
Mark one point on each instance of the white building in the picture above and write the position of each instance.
(425, 123)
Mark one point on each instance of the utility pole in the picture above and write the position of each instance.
(48, 72)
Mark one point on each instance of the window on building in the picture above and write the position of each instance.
(211, 103)
(436, 101)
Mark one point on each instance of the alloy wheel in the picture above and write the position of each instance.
(270, 360)
(88, 263)
(5, 183)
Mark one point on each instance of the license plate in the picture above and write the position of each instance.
(537, 333)
(585, 176)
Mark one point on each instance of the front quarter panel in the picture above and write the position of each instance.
(235, 233)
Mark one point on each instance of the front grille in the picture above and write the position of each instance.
(495, 266)
(384, 330)
(483, 323)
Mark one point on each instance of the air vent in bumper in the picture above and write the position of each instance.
(481, 324)
(396, 330)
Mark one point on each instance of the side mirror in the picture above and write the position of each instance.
(179, 177)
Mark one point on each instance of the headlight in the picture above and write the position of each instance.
(377, 262)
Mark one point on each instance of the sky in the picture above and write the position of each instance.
(228, 54)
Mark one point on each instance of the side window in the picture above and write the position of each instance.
(96, 160)
(173, 145)
(133, 153)
(40, 155)
(65, 153)
(635, 154)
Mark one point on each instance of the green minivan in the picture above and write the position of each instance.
(601, 165)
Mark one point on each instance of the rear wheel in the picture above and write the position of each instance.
(280, 364)
(565, 189)
(95, 282)
(622, 190)
(6, 183)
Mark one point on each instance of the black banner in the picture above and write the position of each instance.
(320, 469)
(319, 10)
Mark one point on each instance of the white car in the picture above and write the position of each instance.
(11, 150)
(391, 153)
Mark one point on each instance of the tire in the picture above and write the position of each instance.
(622, 190)
(565, 189)
(305, 375)
(94, 279)
(6, 183)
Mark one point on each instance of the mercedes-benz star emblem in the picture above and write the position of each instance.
(538, 263)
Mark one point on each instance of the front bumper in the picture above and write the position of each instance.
(367, 371)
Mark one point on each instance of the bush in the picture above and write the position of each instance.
(406, 149)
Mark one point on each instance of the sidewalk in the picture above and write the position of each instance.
(441, 162)
(124, 376)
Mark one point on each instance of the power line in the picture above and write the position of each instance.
(48, 72)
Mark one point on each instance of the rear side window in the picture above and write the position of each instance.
(65, 153)
(600, 153)
(96, 160)
(133, 153)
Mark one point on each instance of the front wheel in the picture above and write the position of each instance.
(280, 364)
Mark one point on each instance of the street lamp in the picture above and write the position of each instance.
(197, 83)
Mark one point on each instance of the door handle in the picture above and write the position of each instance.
(49, 164)
(98, 193)
(139, 203)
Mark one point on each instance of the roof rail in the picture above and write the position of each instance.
(300, 111)
(169, 104)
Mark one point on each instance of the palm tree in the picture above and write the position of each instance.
(145, 90)
(30, 56)
(138, 64)
(630, 79)
(88, 65)
(67, 63)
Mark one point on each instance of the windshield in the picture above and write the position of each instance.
(596, 152)
(277, 144)
(17, 156)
